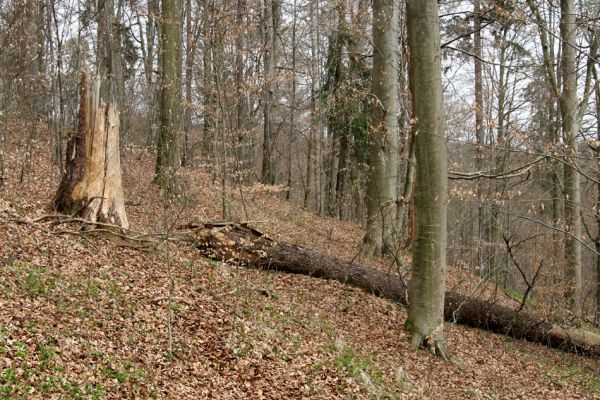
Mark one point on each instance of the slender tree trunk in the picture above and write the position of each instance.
(479, 130)
(190, 54)
(311, 179)
(383, 131)
(332, 171)
(496, 224)
(270, 60)
(244, 156)
(427, 286)
(169, 137)
(109, 62)
(58, 141)
(570, 130)
(597, 240)
(342, 175)
(293, 108)
(208, 96)
(409, 180)
(405, 191)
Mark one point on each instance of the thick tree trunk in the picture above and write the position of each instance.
(426, 310)
(241, 243)
(91, 185)
(383, 131)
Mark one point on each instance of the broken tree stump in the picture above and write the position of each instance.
(242, 243)
(91, 185)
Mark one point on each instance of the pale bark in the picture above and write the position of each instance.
(190, 54)
(426, 295)
(496, 223)
(479, 128)
(383, 131)
(570, 130)
(91, 186)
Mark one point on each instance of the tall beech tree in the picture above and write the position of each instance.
(570, 131)
(383, 130)
(169, 152)
(426, 294)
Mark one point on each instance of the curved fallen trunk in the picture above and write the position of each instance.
(241, 243)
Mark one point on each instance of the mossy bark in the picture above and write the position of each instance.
(383, 131)
(169, 149)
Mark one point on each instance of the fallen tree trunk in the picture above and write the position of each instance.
(241, 243)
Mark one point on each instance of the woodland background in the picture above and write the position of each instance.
(274, 111)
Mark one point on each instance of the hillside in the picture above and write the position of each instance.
(88, 315)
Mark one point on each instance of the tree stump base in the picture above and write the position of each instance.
(91, 186)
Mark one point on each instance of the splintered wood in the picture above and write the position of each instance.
(91, 185)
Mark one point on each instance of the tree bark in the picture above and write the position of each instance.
(597, 238)
(242, 243)
(479, 129)
(270, 84)
(190, 53)
(168, 157)
(91, 186)
(426, 310)
(383, 131)
(568, 107)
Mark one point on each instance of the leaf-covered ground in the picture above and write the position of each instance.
(88, 316)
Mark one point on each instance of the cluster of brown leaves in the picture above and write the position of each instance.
(87, 316)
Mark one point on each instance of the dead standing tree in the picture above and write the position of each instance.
(91, 184)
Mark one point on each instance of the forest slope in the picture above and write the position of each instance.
(87, 316)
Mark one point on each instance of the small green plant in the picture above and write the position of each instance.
(46, 354)
(113, 291)
(20, 349)
(37, 281)
(31, 326)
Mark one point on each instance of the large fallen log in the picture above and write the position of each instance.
(241, 243)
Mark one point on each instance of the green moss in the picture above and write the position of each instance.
(410, 327)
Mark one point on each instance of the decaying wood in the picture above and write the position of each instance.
(91, 185)
(242, 243)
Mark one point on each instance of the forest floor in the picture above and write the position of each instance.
(88, 316)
